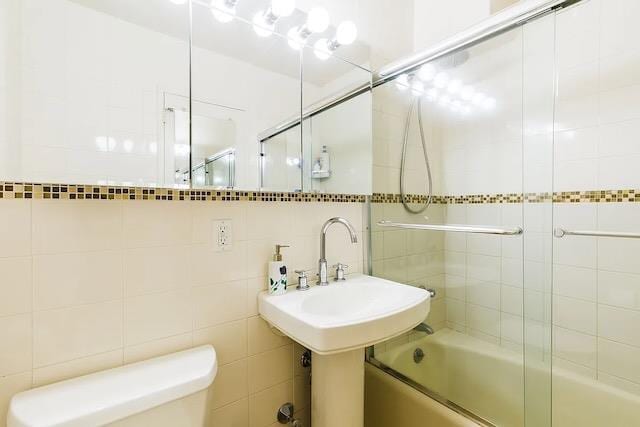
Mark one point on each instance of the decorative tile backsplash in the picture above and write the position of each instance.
(10, 190)
(15, 190)
(595, 196)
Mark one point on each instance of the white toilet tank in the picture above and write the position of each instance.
(165, 391)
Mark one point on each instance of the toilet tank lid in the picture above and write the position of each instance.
(118, 393)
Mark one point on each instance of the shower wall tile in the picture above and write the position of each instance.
(619, 359)
(115, 284)
(619, 289)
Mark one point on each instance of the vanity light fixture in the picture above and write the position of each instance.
(346, 33)
(317, 22)
(264, 21)
(223, 10)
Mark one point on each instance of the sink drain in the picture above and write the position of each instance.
(418, 355)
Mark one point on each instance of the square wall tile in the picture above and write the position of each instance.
(15, 228)
(221, 303)
(15, 335)
(231, 384)
(619, 324)
(156, 269)
(71, 333)
(229, 340)
(16, 287)
(68, 226)
(270, 368)
(77, 367)
(575, 314)
(154, 316)
(619, 359)
(159, 347)
(63, 280)
(156, 223)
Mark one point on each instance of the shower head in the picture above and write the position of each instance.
(453, 60)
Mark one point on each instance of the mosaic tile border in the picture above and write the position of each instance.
(14, 190)
(594, 196)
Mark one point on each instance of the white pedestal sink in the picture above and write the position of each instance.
(336, 323)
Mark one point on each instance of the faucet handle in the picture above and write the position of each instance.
(340, 271)
(303, 281)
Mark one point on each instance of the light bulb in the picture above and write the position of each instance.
(441, 79)
(454, 86)
(427, 72)
(282, 8)
(346, 33)
(467, 93)
(178, 2)
(478, 98)
(261, 27)
(417, 88)
(222, 12)
(317, 20)
(444, 101)
(294, 39)
(321, 50)
(432, 94)
(402, 82)
(488, 103)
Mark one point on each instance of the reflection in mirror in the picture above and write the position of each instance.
(258, 69)
(100, 93)
(82, 95)
(337, 139)
(281, 166)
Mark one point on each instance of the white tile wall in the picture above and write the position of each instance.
(89, 285)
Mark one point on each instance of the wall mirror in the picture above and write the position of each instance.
(181, 94)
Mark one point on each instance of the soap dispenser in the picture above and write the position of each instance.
(277, 273)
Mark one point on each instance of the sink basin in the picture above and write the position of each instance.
(348, 315)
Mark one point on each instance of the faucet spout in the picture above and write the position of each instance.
(322, 266)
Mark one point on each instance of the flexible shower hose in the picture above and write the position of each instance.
(407, 125)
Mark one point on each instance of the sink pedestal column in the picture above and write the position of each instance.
(337, 389)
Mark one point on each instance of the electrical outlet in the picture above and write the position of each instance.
(222, 235)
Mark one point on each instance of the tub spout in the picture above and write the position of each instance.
(423, 327)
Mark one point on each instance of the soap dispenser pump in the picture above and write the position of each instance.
(277, 273)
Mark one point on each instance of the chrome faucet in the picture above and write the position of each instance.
(322, 264)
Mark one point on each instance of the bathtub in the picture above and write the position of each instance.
(487, 380)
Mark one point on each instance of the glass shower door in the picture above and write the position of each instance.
(596, 274)
(487, 112)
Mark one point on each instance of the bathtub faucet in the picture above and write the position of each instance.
(423, 327)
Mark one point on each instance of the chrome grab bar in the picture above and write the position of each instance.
(561, 232)
(455, 228)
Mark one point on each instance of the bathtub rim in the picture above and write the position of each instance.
(371, 360)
